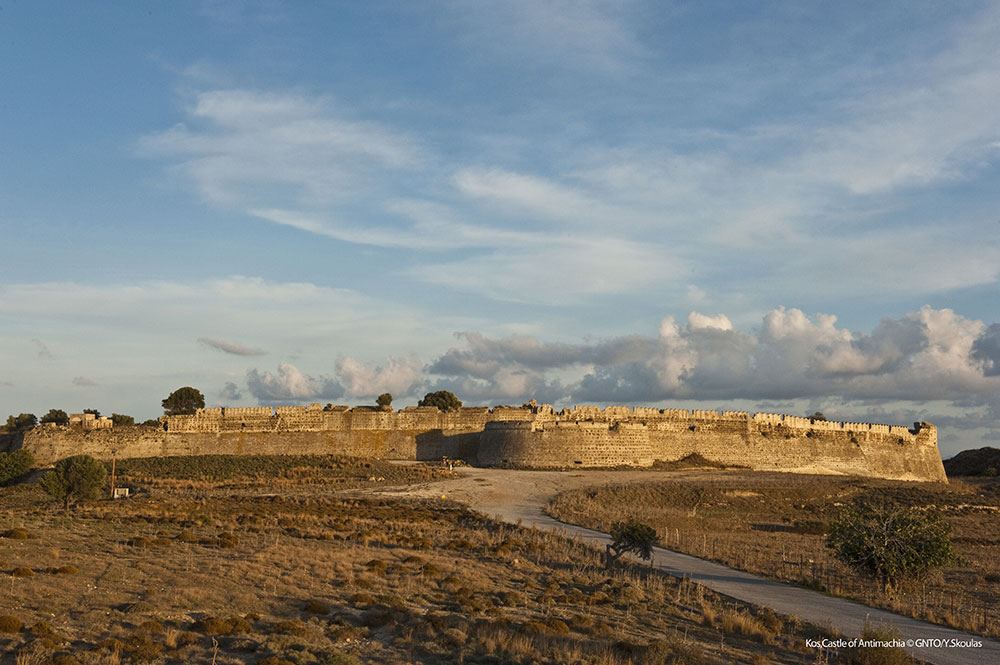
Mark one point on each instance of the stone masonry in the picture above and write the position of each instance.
(534, 436)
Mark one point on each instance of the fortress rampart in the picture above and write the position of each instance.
(524, 437)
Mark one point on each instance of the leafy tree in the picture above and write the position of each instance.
(57, 416)
(15, 464)
(97, 414)
(384, 400)
(75, 478)
(152, 422)
(634, 537)
(183, 401)
(120, 420)
(890, 543)
(25, 421)
(818, 415)
(442, 399)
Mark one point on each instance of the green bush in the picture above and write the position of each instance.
(634, 537)
(890, 543)
(57, 416)
(442, 399)
(22, 422)
(14, 465)
(75, 478)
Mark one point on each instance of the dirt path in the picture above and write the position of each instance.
(520, 497)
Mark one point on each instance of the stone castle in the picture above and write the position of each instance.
(533, 436)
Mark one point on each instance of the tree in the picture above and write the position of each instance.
(183, 401)
(152, 422)
(890, 543)
(97, 414)
(818, 415)
(15, 464)
(25, 421)
(634, 537)
(442, 399)
(120, 420)
(384, 400)
(75, 478)
(57, 416)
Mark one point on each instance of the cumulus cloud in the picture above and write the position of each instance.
(230, 391)
(397, 376)
(986, 349)
(83, 381)
(925, 355)
(230, 347)
(290, 385)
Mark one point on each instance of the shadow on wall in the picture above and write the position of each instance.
(435, 444)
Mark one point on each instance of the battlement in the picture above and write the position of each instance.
(532, 435)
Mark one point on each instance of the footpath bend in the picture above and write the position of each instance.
(519, 497)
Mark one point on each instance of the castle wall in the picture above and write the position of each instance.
(560, 444)
(585, 436)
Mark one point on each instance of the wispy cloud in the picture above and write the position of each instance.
(83, 382)
(43, 350)
(230, 347)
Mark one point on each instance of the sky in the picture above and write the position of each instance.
(781, 207)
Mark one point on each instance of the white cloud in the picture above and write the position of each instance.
(580, 34)
(398, 376)
(291, 386)
(925, 355)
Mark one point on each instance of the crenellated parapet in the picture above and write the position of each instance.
(533, 435)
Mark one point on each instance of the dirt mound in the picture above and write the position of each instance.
(977, 462)
(694, 460)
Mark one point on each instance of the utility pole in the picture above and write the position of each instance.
(114, 455)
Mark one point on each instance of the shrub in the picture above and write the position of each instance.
(75, 478)
(10, 624)
(316, 607)
(442, 399)
(878, 655)
(217, 626)
(20, 423)
(121, 420)
(23, 571)
(634, 537)
(890, 543)
(14, 465)
(16, 534)
(57, 416)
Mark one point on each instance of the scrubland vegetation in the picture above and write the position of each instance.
(230, 571)
(775, 525)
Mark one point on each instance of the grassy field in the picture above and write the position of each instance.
(774, 525)
(241, 569)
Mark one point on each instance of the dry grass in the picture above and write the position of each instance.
(774, 525)
(244, 574)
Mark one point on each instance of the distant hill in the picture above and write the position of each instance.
(977, 462)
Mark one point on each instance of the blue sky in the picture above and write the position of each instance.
(767, 206)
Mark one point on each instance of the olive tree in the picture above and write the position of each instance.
(384, 400)
(75, 478)
(889, 543)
